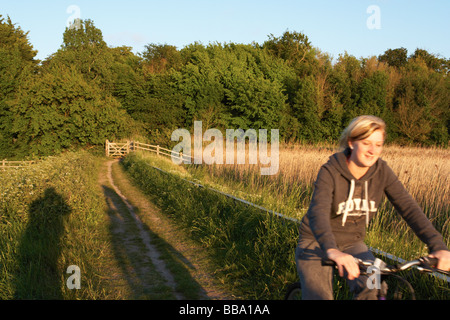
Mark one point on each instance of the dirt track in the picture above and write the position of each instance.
(135, 225)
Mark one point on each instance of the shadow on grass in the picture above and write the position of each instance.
(38, 276)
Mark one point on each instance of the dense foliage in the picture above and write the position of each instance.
(87, 92)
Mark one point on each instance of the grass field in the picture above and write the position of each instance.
(51, 217)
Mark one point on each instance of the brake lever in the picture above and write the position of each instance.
(429, 262)
(430, 265)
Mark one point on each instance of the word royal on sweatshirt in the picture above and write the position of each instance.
(355, 205)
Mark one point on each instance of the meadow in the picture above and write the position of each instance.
(52, 217)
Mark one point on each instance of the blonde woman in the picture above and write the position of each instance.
(347, 193)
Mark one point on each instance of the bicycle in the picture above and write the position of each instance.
(401, 289)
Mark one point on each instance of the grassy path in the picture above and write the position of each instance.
(156, 259)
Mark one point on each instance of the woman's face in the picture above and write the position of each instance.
(367, 151)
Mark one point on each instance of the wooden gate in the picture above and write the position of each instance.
(117, 150)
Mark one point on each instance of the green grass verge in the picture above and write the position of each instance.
(51, 217)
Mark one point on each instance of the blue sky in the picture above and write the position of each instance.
(333, 26)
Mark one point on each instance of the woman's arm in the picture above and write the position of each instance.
(414, 216)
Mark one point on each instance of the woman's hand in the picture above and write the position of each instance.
(344, 261)
(443, 257)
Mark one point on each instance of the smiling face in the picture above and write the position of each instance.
(366, 152)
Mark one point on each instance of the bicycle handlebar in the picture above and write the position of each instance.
(425, 264)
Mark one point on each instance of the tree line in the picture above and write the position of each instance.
(87, 92)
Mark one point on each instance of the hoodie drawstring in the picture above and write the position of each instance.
(347, 204)
(350, 198)
(367, 199)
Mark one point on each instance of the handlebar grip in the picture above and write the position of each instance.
(429, 261)
(328, 262)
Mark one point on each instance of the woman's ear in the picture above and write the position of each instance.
(350, 144)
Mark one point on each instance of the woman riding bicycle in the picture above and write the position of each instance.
(347, 193)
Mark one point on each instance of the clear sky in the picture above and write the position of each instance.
(362, 28)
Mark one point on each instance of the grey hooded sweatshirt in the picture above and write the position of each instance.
(342, 206)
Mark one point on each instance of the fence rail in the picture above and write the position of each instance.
(121, 149)
(7, 164)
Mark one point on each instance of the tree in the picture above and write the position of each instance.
(344, 81)
(84, 48)
(229, 80)
(17, 62)
(395, 57)
(200, 82)
(160, 108)
(127, 82)
(421, 105)
(87, 91)
(60, 110)
(160, 58)
(291, 46)
(372, 94)
(83, 35)
(305, 110)
(433, 62)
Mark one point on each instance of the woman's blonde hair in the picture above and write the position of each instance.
(360, 128)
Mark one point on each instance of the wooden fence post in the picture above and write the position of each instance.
(107, 148)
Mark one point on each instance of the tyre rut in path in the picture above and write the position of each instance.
(151, 251)
(193, 256)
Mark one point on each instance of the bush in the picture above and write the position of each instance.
(60, 110)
